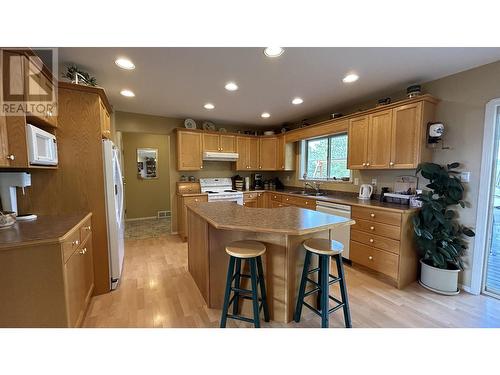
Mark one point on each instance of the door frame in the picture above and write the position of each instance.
(483, 221)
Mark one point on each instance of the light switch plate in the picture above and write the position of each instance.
(465, 176)
(356, 181)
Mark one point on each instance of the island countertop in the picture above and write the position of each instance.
(284, 220)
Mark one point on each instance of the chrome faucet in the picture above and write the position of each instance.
(315, 186)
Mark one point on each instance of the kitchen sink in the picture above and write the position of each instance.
(302, 192)
(299, 192)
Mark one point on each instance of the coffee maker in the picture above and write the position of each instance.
(257, 182)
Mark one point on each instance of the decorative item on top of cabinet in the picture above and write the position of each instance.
(391, 138)
(189, 150)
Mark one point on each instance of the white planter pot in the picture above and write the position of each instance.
(439, 280)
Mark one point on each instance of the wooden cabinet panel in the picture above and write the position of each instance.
(406, 136)
(75, 284)
(88, 272)
(211, 142)
(268, 155)
(381, 216)
(70, 245)
(242, 148)
(378, 260)
(4, 147)
(299, 202)
(227, 143)
(253, 153)
(189, 151)
(379, 135)
(379, 242)
(385, 230)
(357, 154)
(252, 204)
(182, 212)
(105, 120)
(276, 197)
(16, 140)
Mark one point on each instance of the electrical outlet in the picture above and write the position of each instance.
(356, 181)
(374, 181)
(465, 176)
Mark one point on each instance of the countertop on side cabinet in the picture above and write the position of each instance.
(45, 229)
(283, 220)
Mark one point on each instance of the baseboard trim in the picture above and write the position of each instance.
(141, 218)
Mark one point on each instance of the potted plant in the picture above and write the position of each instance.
(439, 237)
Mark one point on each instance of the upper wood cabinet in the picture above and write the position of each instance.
(105, 120)
(268, 155)
(189, 150)
(219, 142)
(4, 146)
(248, 153)
(357, 154)
(391, 138)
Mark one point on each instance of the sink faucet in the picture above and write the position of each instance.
(315, 186)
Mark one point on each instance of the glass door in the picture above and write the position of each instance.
(492, 274)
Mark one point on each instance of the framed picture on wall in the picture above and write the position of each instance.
(140, 166)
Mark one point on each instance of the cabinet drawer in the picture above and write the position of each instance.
(201, 198)
(378, 260)
(298, 201)
(278, 204)
(70, 245)
(276, 197)
(380, 216)
(85, 230)
(384, 230)
(247, 197)
(379, 242)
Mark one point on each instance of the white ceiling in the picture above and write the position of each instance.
(177, 82)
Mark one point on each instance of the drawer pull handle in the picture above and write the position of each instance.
(371, 240)
(75, 243)
(370, 257)
(372, 215)
(372, 228)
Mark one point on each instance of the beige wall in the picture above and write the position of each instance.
(463, 98)
(144, 198)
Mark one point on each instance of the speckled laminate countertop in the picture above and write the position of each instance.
(283, 220)
(45, 229)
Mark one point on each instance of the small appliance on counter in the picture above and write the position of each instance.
(405, 188)
(9, 182)
(365, 191)
(257, 182)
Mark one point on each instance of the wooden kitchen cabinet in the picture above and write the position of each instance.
(357, 154)
(268, 153)
(248, 153)
(4, 146)
(379, 132)
(219, 142)
(182, 200)
(286, 155)
(105, 120)
(189, 150)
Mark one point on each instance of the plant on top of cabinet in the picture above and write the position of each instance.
(439, 237)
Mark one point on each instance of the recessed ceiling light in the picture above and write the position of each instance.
(297, 101)
(231, 86)
(124, 63)
(209, 106)
(350, 78)
(273, 51)
(265, 115)
(127, 93)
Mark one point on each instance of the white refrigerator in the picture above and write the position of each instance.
(114, 210)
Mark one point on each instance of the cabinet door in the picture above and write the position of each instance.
(242, 145)
(88, 272)
(357, 153)
(4, 149)
(268, 154)
(74, 275)
(379, 135)
(189, 151)
(16, 141)
(227, 143)
(406, 136)
(105, 121)
(253, 153)
(252, 204)
(211, 142)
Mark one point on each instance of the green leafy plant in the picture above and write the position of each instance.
(79, 76)
(439, 237)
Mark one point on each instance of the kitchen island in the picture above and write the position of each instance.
(211, 226)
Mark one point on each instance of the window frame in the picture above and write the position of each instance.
(304, 159)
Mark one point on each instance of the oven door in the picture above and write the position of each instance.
(221, 198)
(42, 146)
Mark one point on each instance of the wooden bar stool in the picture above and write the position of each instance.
(251, 251)
(324, 249)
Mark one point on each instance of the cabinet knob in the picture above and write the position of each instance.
(391, 163)
(260, 166)
(11, 157)
(87, 227)
(307, 203)
(196, 200)
(370, 257)
(372, 228)
(75, 243)
(83, 251)
(372, 215)
(364, 164)
(201, 166)
(367, 164)
(371, 240)
(282, 167)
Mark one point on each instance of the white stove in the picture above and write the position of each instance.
(220, 190)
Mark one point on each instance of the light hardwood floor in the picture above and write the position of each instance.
(158, 291)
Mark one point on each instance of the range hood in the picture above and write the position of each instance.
(220, 156)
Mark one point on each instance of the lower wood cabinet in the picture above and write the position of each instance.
(382, 240)
(48, 283)
(182, 200)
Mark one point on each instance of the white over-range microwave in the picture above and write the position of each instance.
(42, 146)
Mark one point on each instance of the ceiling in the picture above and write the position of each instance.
(177, 82)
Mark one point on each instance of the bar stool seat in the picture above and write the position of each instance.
(250, 252)
(325, 250)
(246, 249)
(323, 246)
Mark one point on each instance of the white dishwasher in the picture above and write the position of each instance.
(342, 234)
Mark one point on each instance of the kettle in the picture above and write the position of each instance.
(365, 191)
